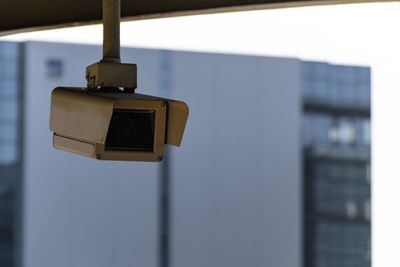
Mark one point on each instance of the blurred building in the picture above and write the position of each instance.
(10, 150)
(336, 104)
(273, 171)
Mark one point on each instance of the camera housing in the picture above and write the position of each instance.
(115, 125)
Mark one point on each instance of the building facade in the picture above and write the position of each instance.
(10, 150)
(232, 195)
(337, 139)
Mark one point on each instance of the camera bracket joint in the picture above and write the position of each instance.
(110, 74)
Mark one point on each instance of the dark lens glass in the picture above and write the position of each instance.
(131, 130)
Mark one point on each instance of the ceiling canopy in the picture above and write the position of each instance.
(26, 15)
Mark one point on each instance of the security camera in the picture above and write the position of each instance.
(107, 119)
(115, 125)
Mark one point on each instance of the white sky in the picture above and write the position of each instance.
(366, 34)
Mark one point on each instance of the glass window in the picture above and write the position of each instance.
(347, 131)
(367, 210)
(8, 153)
(307, 88)
(307, 70)
(348, 94)
(8, 110)
(9, 50)
(8, 133)
(344, 85)
(362, 85)
(334, 132)
(366, 94)
(8, 88)
(307, 129)
(321, 71)
(368, 173)
(319, 81)
(54, 68)
(367, 132)
(363, 75)
(363, 132)
(9, 69)
(321, 90)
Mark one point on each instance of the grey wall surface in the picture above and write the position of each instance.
(80, 212)
(235, 180)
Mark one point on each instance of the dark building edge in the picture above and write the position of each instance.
(19, 185)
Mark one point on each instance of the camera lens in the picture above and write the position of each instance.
(131, 130)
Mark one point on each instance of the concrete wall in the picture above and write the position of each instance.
(235, 180)
(80, 212)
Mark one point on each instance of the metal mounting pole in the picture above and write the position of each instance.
(110, 72)
(111, 34)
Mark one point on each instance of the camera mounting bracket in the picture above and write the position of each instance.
(110, 74)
